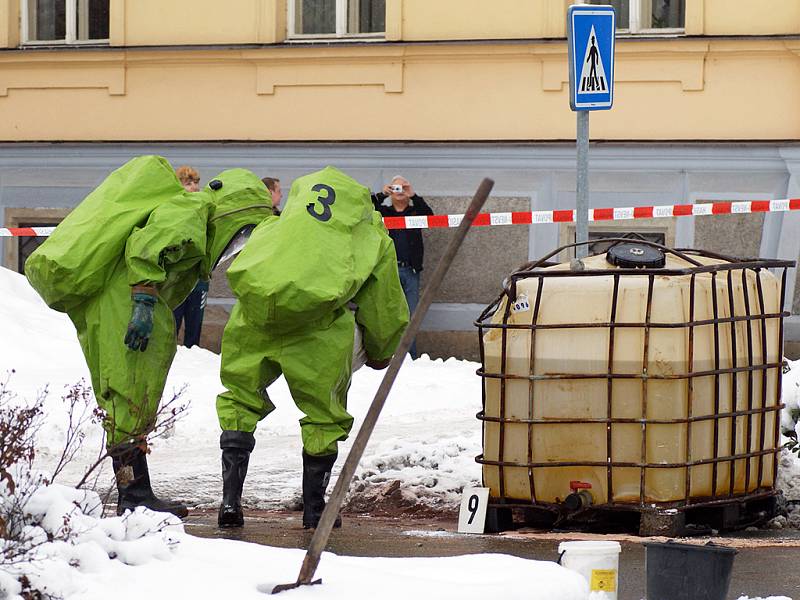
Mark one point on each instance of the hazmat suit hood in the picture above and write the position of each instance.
(332, 197)
(239, 200)
(315, 257)
(77, 261)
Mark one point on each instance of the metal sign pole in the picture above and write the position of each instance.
(582, 189)
(590, 54)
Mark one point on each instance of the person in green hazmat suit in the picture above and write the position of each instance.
(122, 310)
(308, 284)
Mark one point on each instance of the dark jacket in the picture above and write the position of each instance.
(413, 237)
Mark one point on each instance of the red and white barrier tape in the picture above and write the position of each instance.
(26, 231)
(537, 217)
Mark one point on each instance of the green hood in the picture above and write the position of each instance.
(242, 200)
(77, 260)
(184, 238)
(315, 257)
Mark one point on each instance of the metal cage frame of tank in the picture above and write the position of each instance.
(535, 269)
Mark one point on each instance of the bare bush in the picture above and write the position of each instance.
(21, 533)
(81, 412)
(169, 413)
(19, 424)
(18, 428)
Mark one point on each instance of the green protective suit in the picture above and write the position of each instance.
(170, 246)
(303, 283)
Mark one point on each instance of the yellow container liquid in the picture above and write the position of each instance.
(557, 354)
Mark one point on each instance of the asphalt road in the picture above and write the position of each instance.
(767, 563)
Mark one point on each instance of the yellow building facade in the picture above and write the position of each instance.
(442, 70)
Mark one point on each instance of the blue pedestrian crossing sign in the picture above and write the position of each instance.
(590, 42)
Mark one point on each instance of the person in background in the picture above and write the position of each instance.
(190, 311)
(189, 178)
(398, 199)
(274, 186)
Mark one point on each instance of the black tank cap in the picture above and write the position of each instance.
(636, 256)
(215, 184)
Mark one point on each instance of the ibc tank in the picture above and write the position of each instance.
(650, 374)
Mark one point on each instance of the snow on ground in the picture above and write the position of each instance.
(788, 478)
(148, 555)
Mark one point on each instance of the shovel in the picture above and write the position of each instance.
(323, 530)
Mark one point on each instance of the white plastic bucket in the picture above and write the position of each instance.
(597, 562)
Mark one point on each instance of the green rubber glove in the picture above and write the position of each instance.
(141, 324)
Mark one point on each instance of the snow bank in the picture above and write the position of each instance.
(790, 392)
(788, 479)
(413, 473)
(229, 569)
(62, 539)
(148, 555)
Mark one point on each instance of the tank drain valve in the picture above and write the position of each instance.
(580, 497)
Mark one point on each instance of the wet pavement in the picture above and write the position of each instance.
(767, 563)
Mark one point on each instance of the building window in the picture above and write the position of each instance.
(64, 21)
(16, 250)
(648, 16)
(651, 230)
(337, 18)
(600, 247)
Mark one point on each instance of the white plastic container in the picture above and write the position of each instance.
(668, 355)
(597, 562)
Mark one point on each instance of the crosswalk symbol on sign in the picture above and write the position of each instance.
(593, 76)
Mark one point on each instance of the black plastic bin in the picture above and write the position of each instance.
(687, 572)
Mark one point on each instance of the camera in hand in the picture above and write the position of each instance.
(396, 189)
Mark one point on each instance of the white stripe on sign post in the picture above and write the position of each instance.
(503, 218)
(417, 222)
(454, 220)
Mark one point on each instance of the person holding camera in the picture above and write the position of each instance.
(398, 199)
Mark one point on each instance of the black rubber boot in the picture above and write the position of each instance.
(236, 448)
(133, 482)
(316, 475)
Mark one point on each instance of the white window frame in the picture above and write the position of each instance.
(341, 27)
(71, 36)
(663, 226)
(635, 23)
